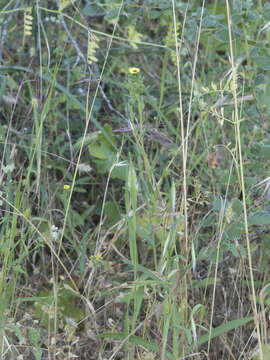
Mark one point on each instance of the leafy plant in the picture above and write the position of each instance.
(63, 308)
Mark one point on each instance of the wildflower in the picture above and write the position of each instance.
(133, 70)
(95, 259)
(66, 187)
(54, 232)
(98, 256)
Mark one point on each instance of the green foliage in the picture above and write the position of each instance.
(112, 212)
(50, 310)
(134, 37)
(101, 108)
(103, 150)
(259, 218)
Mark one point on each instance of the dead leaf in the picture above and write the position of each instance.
(212, 160)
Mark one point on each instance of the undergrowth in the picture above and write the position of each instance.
(134, 192)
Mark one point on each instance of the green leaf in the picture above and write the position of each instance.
(212, 21)
(217, 204)
(91, 9)
(220, 330)
(222, 35)
(266, 243)
(235, 250)
(45, 305)
(112, 15)
(265, 148)
(262, 62)
(259, 218)
(112, 212)
(154, 14)
(120, 171)
(252, 15)
(105, 164)
(100, 149)
(147, 272)
(209, 220)
(102, 146)
(237, 207)
(236, 230)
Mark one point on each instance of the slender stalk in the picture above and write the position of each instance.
(239, 146)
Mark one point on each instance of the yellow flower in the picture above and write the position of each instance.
(133, 70)
(66, 187)
(98, 256)
(95, 258)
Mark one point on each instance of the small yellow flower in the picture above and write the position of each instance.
(66, 187)
(95, 258)
(133, 70)
(98, 256)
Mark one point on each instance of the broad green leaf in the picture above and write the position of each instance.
(120, 171)
(112, 15)
(222, 35)
(101, 147)
(90, 9)
(235, 230)
(212, 21)
(262, 62)
(259, 218)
